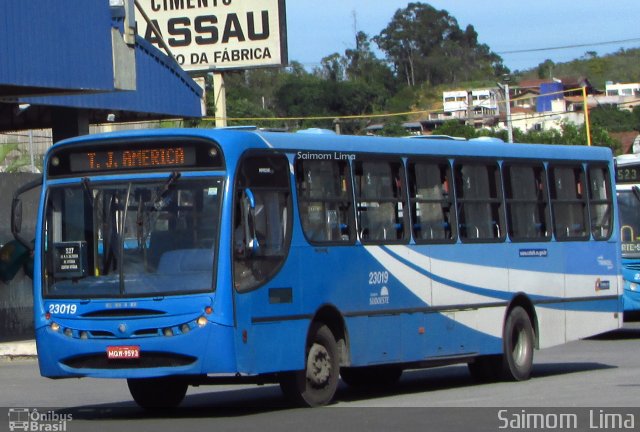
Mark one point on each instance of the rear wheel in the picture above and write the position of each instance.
(156, 393)
(317, 383)
(516, 361)
(518, 342)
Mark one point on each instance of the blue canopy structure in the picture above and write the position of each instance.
(64, 62)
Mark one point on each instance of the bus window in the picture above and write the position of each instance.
(262, 219)
(527, 203)
(479, 201)
(137, 238)
(568, 203)
(324, 200)
(600, 198)
(431, 202)
(379, 198)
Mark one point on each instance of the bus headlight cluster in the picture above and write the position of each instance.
(178, 329)
(55, 327)
(202, 321)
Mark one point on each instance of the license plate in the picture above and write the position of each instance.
(123, 352)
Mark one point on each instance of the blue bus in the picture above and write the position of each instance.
(187, 257)
(628, 193)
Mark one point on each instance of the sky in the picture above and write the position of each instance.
(317, 29)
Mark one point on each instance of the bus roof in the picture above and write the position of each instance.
(235, 141)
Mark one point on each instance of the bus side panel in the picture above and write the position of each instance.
(537, 269)
(448, 326)
(473, 284)
(585, 316)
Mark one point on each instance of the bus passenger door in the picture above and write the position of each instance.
(269, 338)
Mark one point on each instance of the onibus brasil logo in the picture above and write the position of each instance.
(32, 420)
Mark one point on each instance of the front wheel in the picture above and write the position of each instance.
(317, 383)
(156, 393)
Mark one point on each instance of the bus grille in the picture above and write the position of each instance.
(146, 360)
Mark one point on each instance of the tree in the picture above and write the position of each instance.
(545, 69)
(12, 158)
(427, 45)
(332, 68)
(613, 119)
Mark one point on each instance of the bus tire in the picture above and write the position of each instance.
(317, 383)
(518, 344)
(156, 393)
(371, 376)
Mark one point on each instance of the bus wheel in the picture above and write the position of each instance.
(516, 362)
(371, 376)
(155, 393)
(518, 343)
(317, 384)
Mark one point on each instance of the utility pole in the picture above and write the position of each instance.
(220, 99)
(505, 79)
(469, 108)
(586, 114)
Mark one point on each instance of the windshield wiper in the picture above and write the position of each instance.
(158, 202)
(86, 185)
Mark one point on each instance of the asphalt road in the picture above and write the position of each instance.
(595, 382)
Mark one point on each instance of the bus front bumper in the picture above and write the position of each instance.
(196, 352)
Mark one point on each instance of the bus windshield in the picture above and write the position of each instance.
(134, 238)
(629, 203)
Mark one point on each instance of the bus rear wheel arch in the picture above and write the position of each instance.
(516, 361)
(317, 383)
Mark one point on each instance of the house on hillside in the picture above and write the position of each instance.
(545, 104)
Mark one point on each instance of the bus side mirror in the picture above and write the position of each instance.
(252, 245)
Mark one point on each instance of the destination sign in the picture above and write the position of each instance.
(137, 155)
(629, 174)
(147, 158)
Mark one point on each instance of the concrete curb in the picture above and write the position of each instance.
(10, 350)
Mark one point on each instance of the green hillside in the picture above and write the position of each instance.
(621, 66)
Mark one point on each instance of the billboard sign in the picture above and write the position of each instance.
(207, 35)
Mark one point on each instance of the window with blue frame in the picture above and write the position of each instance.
(528, 217)
(569, 202)
(324, 200)
(479, 201)
(379, 191)
(432, 211)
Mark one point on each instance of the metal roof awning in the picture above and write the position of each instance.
(163, 90)
(55, 47)
(77, 62)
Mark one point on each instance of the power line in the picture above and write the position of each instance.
(569, 46)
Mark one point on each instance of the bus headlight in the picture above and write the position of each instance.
(202, 321)
(55, 327)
